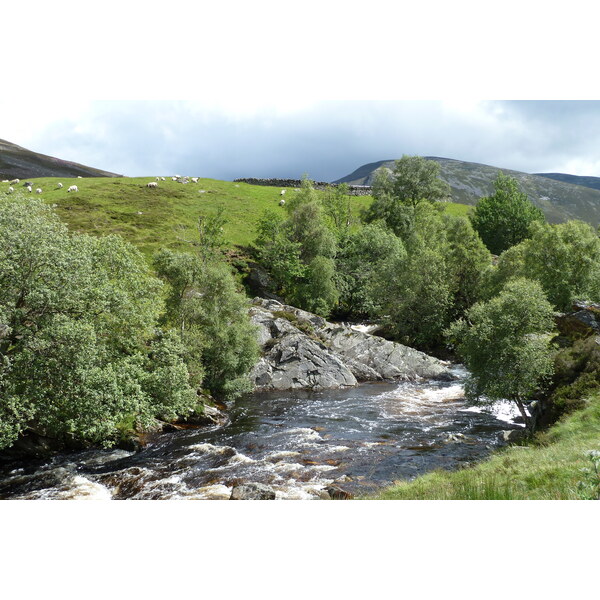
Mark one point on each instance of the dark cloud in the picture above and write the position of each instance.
(325, 140)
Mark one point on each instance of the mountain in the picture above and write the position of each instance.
(18, 162)
(585, 181)
(560, 200)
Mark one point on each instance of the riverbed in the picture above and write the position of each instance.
(359, 439)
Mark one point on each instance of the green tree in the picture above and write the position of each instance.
(504, 218)
(505, 344)
(563, 258)
(364, 259)
(299, 250)
(78, 329)
(211, 317)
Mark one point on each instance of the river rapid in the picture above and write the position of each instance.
(359, 439)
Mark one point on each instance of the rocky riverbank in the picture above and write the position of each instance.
(304, 351)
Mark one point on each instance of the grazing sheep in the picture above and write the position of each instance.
(38, 190)
(162, 179)
(79, 177)
(59, 185)
(28, 188)
(73, 188)
(152, 184)
(282, 193)
(27, 183)
(11, 189)
(174, 178)
(194, 180)
(281, 202)
(158, 179)
(5, 181)
(15, 181)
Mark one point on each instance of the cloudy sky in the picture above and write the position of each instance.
(325, 139)
(278, 92)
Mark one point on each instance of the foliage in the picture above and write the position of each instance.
(589, 486)
(564, 259)
(504, 218)
(412, 180)
(365, 258)
(211, 318)
(299, 251)
(504, 343)
(338, 207)
(79, 316)
(435, 281)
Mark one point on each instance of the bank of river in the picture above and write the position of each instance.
(361, 439)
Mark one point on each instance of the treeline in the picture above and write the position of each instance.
(94, 345)
(485, 285)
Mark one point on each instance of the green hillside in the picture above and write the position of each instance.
(165, 216)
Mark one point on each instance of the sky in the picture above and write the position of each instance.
(261, 90)
(325, 139)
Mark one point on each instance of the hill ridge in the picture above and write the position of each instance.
(19, 162)
(560, 199)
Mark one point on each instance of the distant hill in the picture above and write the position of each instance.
(18, 162)
(585, 181)
(560, 200)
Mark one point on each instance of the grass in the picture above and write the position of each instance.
(164, 217)
(548, 468)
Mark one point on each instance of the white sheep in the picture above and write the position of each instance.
(38, 190)
(5, 181)
(174, 178)
(194, 179)
(158, 179)
(59, 185)
(15, 181)
(281, 202)
(11, 189)
(282, 193)
(28, 188)
(79, 177)
(73, 188)
(162, 179)
(152, 184)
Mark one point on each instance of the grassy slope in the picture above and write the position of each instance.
(547, 469)
(169, 212)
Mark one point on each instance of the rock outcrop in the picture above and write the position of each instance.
(304, 351)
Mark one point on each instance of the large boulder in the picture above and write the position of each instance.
(304, 351)
(584, 321)
(252, 491)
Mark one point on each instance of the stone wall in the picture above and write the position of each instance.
(353, 190)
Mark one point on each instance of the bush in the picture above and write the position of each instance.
(79, 319)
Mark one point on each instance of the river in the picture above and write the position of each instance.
(360, 439)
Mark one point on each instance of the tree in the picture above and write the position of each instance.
(363, 261)
(211, 317)
(298, 251)
(78, 333)
(396, 193)
(436, 280)
(504, 218)
(563, 258)
(505, 344)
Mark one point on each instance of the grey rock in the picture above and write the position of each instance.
(252, 491)
(512, 436)
(304, 351)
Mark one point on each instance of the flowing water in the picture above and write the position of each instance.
(298, 443)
